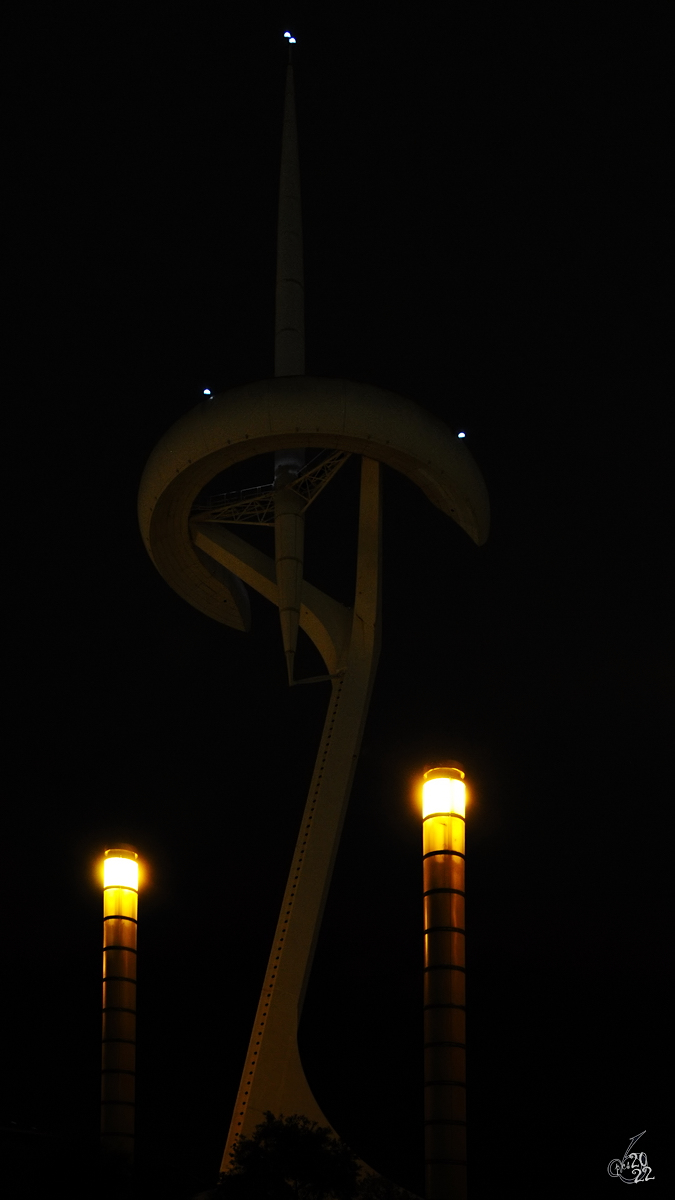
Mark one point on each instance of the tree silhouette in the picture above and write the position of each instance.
(292, 1158)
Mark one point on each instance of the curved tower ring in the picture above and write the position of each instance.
(207, 564)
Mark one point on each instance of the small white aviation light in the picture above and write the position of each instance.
(461, 435)
(291, 41)
(207, 391)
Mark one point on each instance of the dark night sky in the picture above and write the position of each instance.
(482, 204)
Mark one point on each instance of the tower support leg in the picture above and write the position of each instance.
(273, 1078)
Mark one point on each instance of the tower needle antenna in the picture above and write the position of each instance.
(289, 360)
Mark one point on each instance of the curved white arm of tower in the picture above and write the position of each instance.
(274, 414)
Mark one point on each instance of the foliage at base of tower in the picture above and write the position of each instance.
(292, 1158)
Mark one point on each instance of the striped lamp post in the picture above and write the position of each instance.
(443, 805)
(118, 1060)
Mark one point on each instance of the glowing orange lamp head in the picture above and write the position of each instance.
(444, 791)
(120, 868)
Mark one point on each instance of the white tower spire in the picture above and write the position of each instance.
(289, 332)
(289, 359)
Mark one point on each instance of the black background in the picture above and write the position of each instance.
(482, 208)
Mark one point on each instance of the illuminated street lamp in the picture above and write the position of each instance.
(443, 811)
(118, 1060)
